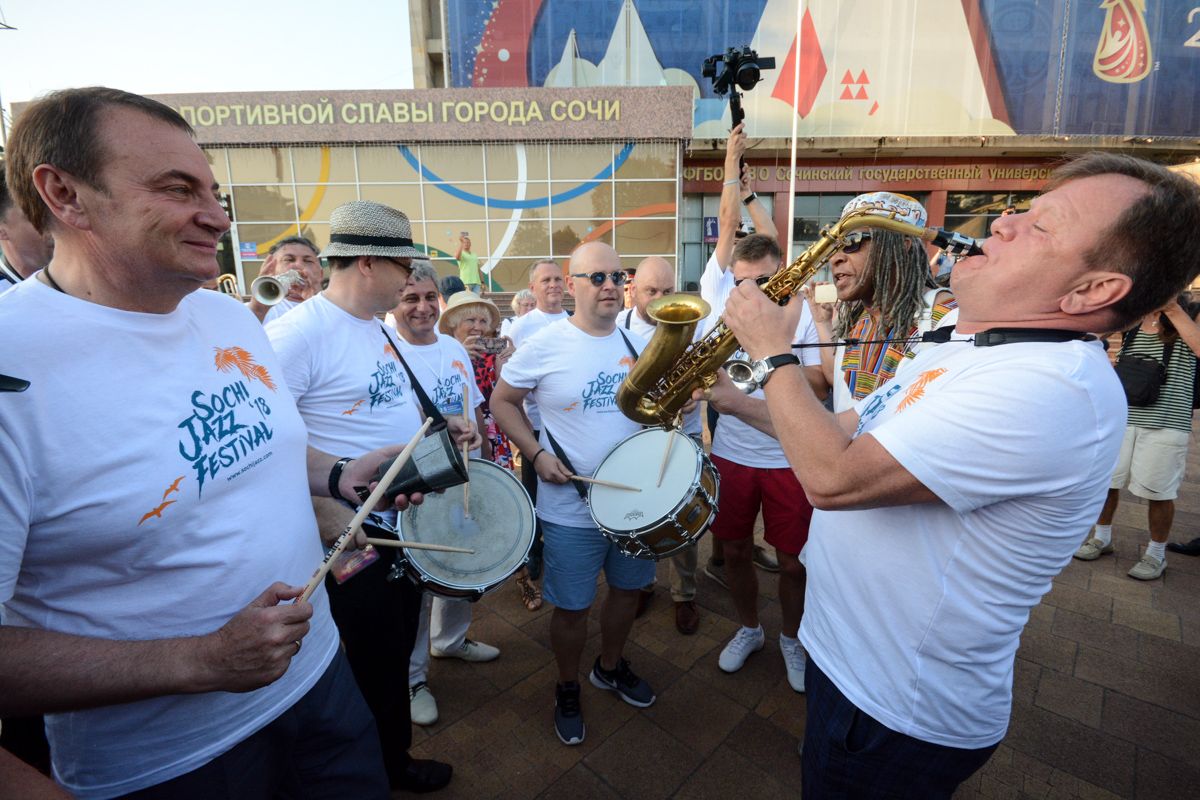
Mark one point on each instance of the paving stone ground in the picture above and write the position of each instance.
(1106, 696)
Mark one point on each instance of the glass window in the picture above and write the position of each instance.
(971, 213)
(260, 165)
(646, 198)
(567, 235)
(384, 163)
(646, 237)
(596, 203)
(533, 191)
(649, 160)
(452, 162)
(502, 162)
(530, 240)
(263, 236)
(405, 197)
(579, 161)
(216, 162)
(264, 203)
(318, 202)
(442, 202)
(509, 274)
(323, 164)
(317, 233)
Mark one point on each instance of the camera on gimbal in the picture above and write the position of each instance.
(742, 66)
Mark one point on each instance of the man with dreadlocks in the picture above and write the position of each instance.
(888, 299)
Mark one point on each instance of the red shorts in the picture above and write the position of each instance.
(744, 490)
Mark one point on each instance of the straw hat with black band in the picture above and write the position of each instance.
(364, 228)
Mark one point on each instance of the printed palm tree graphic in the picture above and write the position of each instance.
(626, 362)
(917, 390)
(228, 358)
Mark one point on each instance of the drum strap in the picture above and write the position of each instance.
(427, 405)
(562, 456)
(558, 451)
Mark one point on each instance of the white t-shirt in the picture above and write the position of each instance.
(631, 320)
(743, 444)
(279, 309)
(522, 329)
(445, 373)
(574, 377)
(153, 482)
(715, 285)
(341, 370)
(1018, 442)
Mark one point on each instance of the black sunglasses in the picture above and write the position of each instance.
(597, 278)
(760, 280)
(854, 241)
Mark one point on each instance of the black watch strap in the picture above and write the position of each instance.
(335, 477)
(750, 198)
(774, 362)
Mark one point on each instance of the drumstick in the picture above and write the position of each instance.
(365, 509)
(466, 461)
(662, 469)
(609, 484)
(443, 548)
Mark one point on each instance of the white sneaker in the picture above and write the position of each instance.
(795, 660)
(469, 650)
(743, 643)
(421, 704)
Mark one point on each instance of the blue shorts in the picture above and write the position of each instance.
(572, 559)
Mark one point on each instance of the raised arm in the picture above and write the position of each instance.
(729, 216)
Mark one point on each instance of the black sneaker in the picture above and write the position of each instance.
(568, 716)
(633, 690)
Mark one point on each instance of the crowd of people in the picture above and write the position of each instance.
(159, 529)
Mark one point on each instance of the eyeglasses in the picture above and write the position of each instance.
(597, 278)
(760, 280)
(854, 241)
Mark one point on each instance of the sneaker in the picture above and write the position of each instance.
(795, 660)
(633, 690)
(764, 559)
(568, 715)
(716, 572)
(469, 650)
(421, 776)
(422, 707)
(743, 643)
(1092, 549)
(1148, 568)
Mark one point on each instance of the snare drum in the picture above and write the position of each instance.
(660, 520)
(500, 530)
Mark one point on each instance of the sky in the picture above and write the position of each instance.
(168, 46)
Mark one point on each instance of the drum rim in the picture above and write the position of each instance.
(695, 484)
(427, 581)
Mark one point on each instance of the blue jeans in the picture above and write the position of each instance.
(849, 755)
(325, 746)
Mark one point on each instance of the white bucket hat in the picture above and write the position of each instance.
(363, 228)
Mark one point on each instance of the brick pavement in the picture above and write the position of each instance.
(1106, 696)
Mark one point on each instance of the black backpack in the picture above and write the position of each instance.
(1142, 377)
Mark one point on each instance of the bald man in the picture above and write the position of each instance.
(655, 278)
(573, 368)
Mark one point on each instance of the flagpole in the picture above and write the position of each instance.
(791, 205)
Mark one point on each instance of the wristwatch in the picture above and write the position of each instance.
(761, 370)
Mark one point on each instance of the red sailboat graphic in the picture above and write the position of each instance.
(1123, 52)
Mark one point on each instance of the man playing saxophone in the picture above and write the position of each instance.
(949, 498)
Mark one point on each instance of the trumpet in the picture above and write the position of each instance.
(672, 366)
(271, 289)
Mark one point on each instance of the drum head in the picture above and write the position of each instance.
(499, 529)
(636, 462)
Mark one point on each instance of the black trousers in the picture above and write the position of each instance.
(378, 620)
(529, 480)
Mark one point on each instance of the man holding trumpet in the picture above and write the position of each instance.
(156, 528)
(949, 498)
(293, 254)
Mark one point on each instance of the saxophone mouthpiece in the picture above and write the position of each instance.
(955, 244)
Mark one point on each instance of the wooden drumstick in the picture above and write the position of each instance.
(466, 461)
(441, 548)
(368, 504)
(609, 484)
(662, 469)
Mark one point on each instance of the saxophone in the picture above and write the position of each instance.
(673, 366)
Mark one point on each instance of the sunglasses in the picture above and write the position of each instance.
(597, 278)
(760, 280)
(854, 241)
